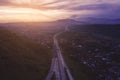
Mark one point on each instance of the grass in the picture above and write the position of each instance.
(21, 58)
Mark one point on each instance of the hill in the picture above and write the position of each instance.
(99, 30)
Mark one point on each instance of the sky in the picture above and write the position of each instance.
(50, 10)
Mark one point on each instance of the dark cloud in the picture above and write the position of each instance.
(101, 12)
(92, 7)
(4, 2)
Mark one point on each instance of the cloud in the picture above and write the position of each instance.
(4, 2)
(107, 11)
(59, 4)
(69, 8)
(92, 7)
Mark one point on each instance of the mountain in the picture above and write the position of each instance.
(88, 20)
(66, 22)
(91, 20)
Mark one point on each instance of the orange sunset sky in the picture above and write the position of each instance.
(50, 10)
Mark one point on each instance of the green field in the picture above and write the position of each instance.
(22, 58)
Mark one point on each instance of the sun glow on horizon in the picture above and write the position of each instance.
(51, 10)
(12, 14)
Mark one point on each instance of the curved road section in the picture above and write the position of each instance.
(59, 68)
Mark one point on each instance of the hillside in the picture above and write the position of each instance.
(99, 30)
(22, 59)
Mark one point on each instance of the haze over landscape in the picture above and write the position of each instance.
(51, 10)
(59, 40)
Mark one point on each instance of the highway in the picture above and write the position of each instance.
(58, 68)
